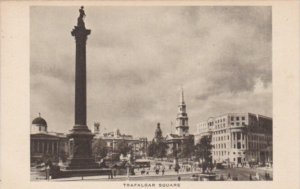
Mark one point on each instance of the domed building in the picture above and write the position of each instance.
(158, 134)
(38, 125)
(45, 144)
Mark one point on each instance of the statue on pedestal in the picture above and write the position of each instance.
(80, 22)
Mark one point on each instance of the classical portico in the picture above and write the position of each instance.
(44, 143)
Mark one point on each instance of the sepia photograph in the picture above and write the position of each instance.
(151, 93)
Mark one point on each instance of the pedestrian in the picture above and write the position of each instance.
(250, 177)
(179, 178)
(257, 176)
(221, 178)
(267, 176)
(163, 171)
(228, 176)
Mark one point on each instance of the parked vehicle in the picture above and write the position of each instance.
(220, 166)
(142, 163)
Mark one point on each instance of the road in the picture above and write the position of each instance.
(185, 177)
(243, 173)
(240, 173)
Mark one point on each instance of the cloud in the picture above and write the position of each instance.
(137, 57)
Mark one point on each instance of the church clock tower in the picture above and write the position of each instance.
(182, 126)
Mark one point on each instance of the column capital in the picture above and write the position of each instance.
(80, 32)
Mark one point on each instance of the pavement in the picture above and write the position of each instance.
(169, 175)
(242, 174)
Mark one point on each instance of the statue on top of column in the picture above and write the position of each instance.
(80, 22)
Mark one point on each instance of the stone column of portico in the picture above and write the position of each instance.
(81, 155)
(231, 140)
(57, 148)
(52, 144)
(37, 145)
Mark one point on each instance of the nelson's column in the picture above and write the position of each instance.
(80, 136)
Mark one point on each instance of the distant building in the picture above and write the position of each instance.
(139, 145)
(158, 134)
(181, 134)
(44, 143)
(238, 137)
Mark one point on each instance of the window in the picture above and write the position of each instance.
(243, 118)
(234, 146)
(238, 145)
(233, 159)
(238, 136)
(231, 118)
(243, 146)
(237, 118)
(228, 137)
(237, 124)
(233, 152)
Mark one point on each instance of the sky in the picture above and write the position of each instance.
(139, 57)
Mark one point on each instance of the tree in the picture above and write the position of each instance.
(157, 149)
(203, 151)
(99, 148)
(161, 149)
(123, 147)
(151, 149)
(187, 149)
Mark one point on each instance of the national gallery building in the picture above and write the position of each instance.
(44, 143)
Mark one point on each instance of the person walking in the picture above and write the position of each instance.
(228, 176)
(257, 176)
(179, 178)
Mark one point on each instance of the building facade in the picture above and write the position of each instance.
(139, 145)
(176, 141)
(46, 144)
(238, 138)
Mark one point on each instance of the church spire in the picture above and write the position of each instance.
(182, 127)
(182, 96)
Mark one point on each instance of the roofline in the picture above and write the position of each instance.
(267, 117)
(227, 114)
